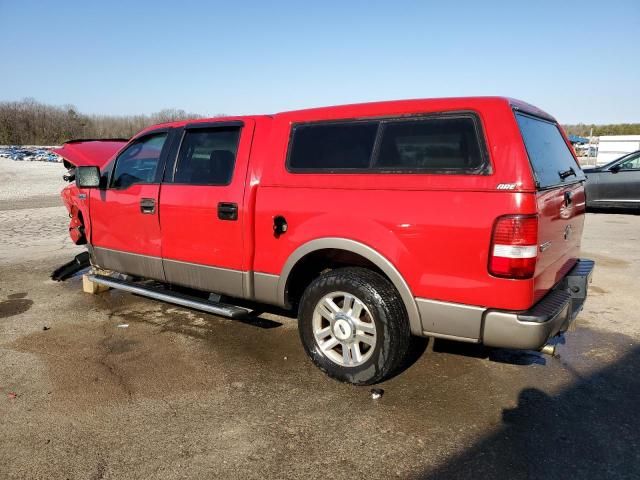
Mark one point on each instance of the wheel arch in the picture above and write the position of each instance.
(362, 250)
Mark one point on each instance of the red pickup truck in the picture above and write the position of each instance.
(458, 218)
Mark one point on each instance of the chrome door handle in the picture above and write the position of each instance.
(148, 206)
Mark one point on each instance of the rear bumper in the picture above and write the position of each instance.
(531, 329)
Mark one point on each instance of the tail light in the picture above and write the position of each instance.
(514, 246)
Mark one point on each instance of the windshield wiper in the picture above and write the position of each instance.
(567, 173)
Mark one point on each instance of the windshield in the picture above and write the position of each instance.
(550, 157)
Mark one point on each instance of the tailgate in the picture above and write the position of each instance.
(560, 223)
(560, 199)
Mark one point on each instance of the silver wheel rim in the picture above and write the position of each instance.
(344, 329)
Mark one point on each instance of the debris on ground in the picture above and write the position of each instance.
(12, 395)
(45, 328)
(376, 393)
(123, 325)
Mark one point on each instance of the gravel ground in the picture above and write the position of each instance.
(21, 181)
(182, 394)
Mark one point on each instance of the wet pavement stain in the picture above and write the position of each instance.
(606, 260)
(119, 345)
(11, 307)
(596, 289)
(14, 296)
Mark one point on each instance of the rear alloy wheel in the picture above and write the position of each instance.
(354, 326)
(344, 329)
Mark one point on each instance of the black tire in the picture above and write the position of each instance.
(387, 310)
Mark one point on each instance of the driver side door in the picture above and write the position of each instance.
(125, 228)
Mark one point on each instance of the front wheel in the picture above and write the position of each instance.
(354, 326)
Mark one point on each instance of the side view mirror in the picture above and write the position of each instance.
(87, 177)
(616, 168)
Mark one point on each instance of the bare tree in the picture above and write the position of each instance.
(28, 122)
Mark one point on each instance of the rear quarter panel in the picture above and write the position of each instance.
(439, 241)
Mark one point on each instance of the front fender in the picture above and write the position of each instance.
(78, 208)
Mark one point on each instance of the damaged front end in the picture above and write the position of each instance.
(68, 270)
(83, 153)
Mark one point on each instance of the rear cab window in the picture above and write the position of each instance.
(443, 143)
(551, 159)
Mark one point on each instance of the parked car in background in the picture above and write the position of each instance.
(29, 154)
(616, 184)
(456, 218)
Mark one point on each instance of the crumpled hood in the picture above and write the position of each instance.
(90, 152)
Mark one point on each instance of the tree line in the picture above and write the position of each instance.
(28, 122)
(584, 130)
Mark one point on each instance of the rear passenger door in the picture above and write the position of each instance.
(202, 210)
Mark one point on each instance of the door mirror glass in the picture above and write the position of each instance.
(87, 177)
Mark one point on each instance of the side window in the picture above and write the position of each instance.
(631, 164)
(430, 144)
(207, 156)
(139, 162)
(337, 146)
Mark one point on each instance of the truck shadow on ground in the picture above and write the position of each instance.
(589, 430)
(500, 355)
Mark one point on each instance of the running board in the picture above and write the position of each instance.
(176, 298)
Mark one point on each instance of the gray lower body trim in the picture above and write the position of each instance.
(204, 277)
(450, 337)
(129, 263)
(494, 328)
(553, 314)
(265, 288)
(504, 330)
(450, 320)
(526, 330)
(234, 283)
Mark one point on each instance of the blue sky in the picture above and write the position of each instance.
(578, 60)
